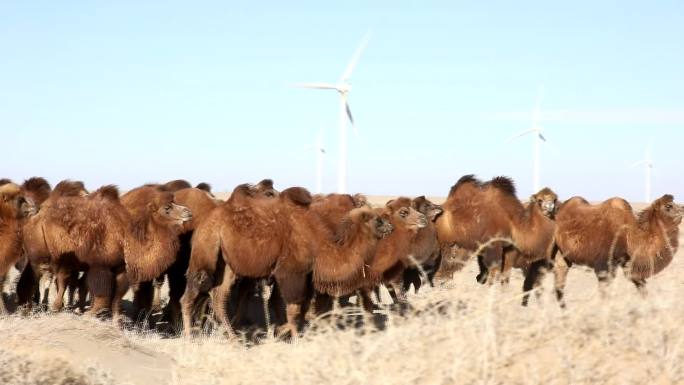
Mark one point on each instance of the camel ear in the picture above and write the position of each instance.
(389, 202)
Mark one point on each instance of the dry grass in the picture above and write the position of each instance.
(465, 333)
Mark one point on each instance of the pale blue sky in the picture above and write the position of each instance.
(127, 93)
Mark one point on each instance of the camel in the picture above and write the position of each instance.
(609, 235)
(481, 219)
(200, 203)
(155, 227)
(95, 231)
(14, 208)
(425, 247)
(282, 238)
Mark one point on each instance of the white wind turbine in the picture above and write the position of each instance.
(342, 87)
(538, 138)
(648, 167)
(320, 151)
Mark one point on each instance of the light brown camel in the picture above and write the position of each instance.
(609, 235)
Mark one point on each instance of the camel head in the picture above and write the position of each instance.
(13, 198)
(368, 218)
(165, 210)
(547, 201)
(666, 209)
(401, 212)
(427, 208)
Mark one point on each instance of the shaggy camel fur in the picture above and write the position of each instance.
(609, 235)
(14, 208)
(282, 238)
(155, 228)
(482, 218)
(425, 247)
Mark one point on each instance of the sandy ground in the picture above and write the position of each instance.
(461, 332)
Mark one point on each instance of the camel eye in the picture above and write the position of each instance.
(668, 206)
(168, 208)
(403, 213)
(269, 194)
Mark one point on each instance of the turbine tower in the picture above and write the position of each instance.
(343, 86)
(648, 168)
(538, 138)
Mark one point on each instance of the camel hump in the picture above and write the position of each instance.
(265, 184)
(204, 187)
(9, 189)
(176, 185)
(465, 179)
(298, 195)
(109, 192)
(618, 203)
(504, 184)
(5, 181)
(38, 186)
(360, 200)
(69, 188)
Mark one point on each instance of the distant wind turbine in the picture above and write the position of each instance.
(538, 138)
(648, 167)
(343, 87)
(320, 151)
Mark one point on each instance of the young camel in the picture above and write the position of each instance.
(609, 235)
(282, 238)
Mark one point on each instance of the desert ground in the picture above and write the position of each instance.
(459, 332)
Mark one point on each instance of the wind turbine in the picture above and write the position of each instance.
(320, 151)
(343, 86)
(648, 166)
(538, 138)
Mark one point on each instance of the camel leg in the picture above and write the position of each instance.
(484, 270)
(641, 286)
(142, 298)
(196, 281)
(46, 281)
(605, 276)
(219, 296)
(61, 282)
(157, 284)
(560, 275)
(100, 284)
(3, 307)
(293, 288)
(82, 286)
(27, 286)
(72, 287)
(121, 287)
(532, 279)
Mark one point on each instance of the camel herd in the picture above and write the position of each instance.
(310, 250)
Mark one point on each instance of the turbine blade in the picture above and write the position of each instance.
(541, 137)
(320, 86)
(355, 58)
(349, 114)
(516, 136)
(639, 163)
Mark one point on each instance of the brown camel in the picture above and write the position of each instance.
(200, 203)
(95, 230)
(280, 237)
(425, 247)
(156, 223)
(14, 208)
(609, 235)
(481, 219)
